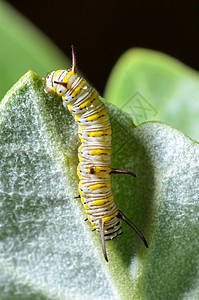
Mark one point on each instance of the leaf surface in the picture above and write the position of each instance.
(48, 251)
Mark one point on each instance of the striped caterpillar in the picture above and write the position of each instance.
(94, 169)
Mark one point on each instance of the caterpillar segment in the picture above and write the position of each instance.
(94, 169)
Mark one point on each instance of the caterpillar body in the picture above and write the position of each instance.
(94, 169)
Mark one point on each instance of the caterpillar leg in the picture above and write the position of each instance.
(123, 172)
(125, 219)
(78, 197)
(101, 227)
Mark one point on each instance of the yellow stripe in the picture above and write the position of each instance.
(106, 169)
(80, 157)
(64, 98)
(67, 102)
(76, 91)
(77, 117)
(81, 193)
(100, 133)
(88, 171)
(83, 82)
(105, 219)
(100, 169)
(57, 73)
(97, 115)
(93, 224)
(66, 79)
(100, 152)
(81, 139)
(71, 73)
(100, 185)
(110, 198)
(102, 201)
(98, 202)
(85, 104)
(88, 100)
(80, 148)
(96, 186)
(80, 128)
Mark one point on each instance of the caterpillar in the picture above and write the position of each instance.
(94, 169)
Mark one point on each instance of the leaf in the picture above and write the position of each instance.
(153, 86)
(24, 47)
(48, 251)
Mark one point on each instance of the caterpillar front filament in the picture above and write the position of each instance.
(94, 169)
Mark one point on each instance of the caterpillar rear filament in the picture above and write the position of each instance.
(94, 169)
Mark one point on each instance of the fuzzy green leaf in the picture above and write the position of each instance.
(153, 86)
(48, 251)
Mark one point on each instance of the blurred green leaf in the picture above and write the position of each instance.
(153, 86)
(48, 251)
(24, 47)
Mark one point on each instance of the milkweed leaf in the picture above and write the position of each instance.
(48, 251)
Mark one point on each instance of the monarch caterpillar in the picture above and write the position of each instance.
(94, 169)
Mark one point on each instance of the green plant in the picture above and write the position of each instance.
(47, 250)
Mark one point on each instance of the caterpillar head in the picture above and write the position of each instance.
(60, 81)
